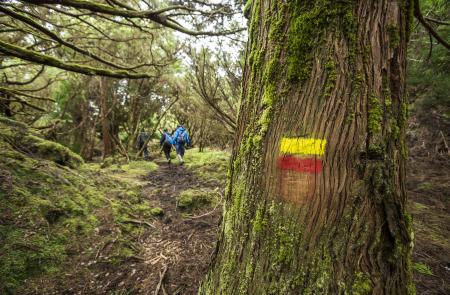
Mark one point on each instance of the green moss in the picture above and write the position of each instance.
(423, 268)
(349, 28)
(247, 9)
(210, 164)
(330, 68)
(107, 162)
(394, 35)
(362, 284)
(270, 72)
(25, 141)
(193, 199)
(375, 115)
(425, 186)
(305, 33)
(55, 208)
(375, 152)
(395, 130)
(157, 211)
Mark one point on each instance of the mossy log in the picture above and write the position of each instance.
(23, 140)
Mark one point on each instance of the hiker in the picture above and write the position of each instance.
(166, 144)
(181, 139)
(141, 141)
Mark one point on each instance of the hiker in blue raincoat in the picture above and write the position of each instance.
(166, 143)
(181, 140)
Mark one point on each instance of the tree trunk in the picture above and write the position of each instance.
(201, 135)
(315, 200)
(5, 105)
(107, 146)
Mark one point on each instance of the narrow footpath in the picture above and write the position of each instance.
(176, 252)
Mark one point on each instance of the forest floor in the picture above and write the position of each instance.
(173, 252)
(112, 227)
(176, 252)
(428, 191)
(120, 229)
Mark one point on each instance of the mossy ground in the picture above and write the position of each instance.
(57, 213)
(428, 187)
(69, 226)
(209, 164)
(192, 199)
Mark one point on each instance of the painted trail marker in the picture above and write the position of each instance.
(300, 166)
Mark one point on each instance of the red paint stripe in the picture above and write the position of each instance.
(305, 165)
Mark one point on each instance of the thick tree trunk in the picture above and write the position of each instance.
(107, 145)
(315, 201)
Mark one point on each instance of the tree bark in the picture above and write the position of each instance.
(315, 200)
(107, 145)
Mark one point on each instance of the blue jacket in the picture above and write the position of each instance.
(177, 134)
(163, 138)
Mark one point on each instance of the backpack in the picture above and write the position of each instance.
(182, 138)
(167, 140)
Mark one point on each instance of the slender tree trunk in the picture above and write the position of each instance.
(107, 145)
(315, 201)
(201, 135)
(82, 135)
(5, 106)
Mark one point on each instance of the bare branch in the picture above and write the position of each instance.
(428, 27)
(25, 82)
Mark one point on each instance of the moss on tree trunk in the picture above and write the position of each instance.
(334, 72)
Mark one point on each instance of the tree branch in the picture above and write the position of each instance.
(55, 37)
(39, 58)
(428, 27)
(153, 15)
(25, 82)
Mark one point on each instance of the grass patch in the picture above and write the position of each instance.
(420, 206)
(210, 164)
(423, 268)
(425, 186)
(129, 172)
(192, 199)
(157, 211)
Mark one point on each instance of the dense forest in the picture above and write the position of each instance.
(224, 147)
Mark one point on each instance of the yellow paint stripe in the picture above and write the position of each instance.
(302, 146)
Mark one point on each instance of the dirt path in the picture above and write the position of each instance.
(179, 242)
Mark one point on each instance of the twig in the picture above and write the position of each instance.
(161, 278)
(104, 246)
(428, 27)
(210, 212)
(139, 222)
(164, 290)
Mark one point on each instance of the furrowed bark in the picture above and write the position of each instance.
(333, 73)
